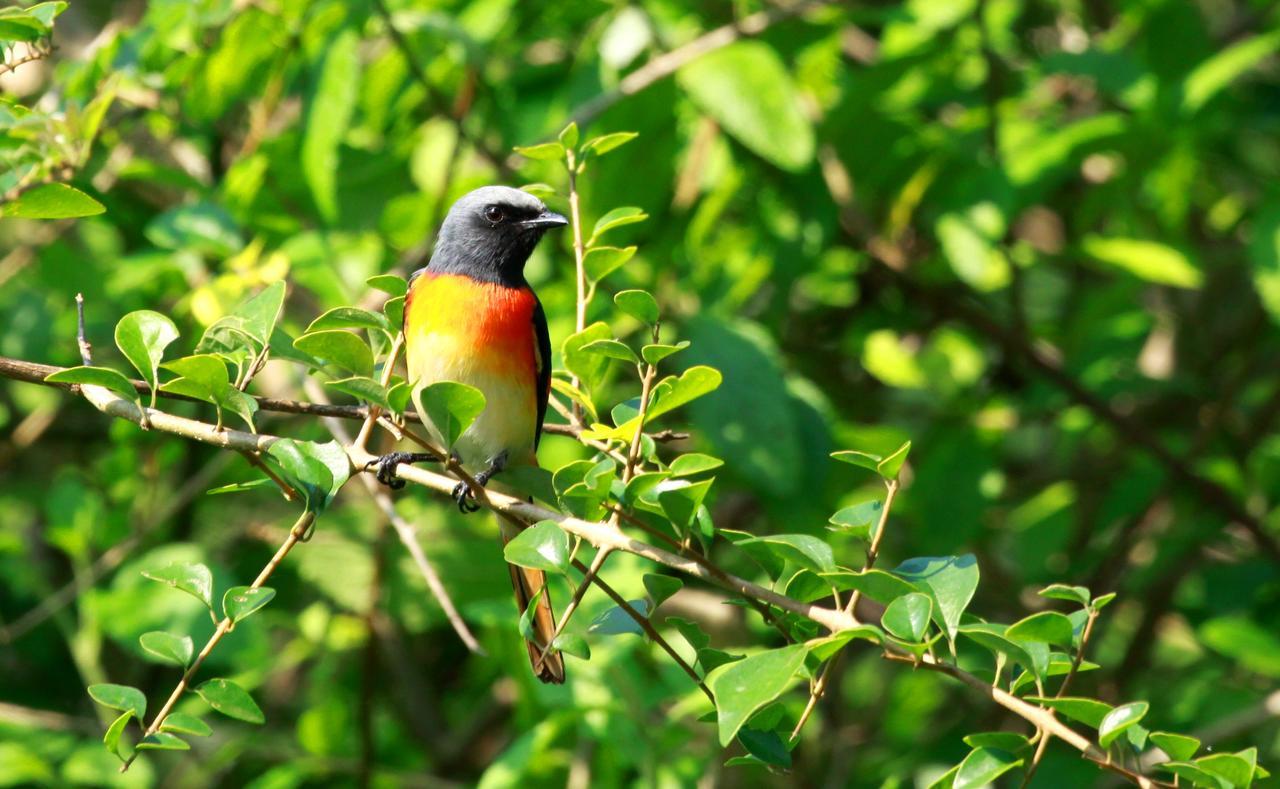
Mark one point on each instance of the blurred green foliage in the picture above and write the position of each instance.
(1040, 239)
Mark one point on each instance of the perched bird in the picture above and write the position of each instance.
(471, 317)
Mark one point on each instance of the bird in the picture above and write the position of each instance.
(471, 317)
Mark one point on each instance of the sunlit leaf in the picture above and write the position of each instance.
(743, 687)
(231, 700)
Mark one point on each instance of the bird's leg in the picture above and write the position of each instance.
(462, 492)
(387, 466)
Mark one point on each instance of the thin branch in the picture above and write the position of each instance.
(299, 530)
(873, 550)
(35, 373)
(1062, 691)
(649, 630)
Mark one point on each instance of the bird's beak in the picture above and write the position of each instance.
(546, 219)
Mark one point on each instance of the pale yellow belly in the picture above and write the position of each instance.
(509, 420)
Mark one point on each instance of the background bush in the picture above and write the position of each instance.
(1041, 240)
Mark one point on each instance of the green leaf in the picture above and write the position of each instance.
(618, 217)
(569, 135)
(600, 262)
(142, 337)
(340, 348)
(452, 408)
(982, 766)
(745, 686)
(1219, 70)
(231, 700)
(1253, 646)
(764, 746)
(661, 587)
(15, 25)
(206, 371)
(745, 87)
(858, 519)
(46, 12)
(854, 457)
(112, 738)
(1179, 747)
(1049, 626)
(908, 616)
(1101, 601)
(615, 621)
(241, 601)
(1078, 594)
(608, 142)
(1003, 740)
(544, 152)
(194, 579)
(120, 697)
(1118, 720)
(1148, 260)
(200, 228)
(525, 624)
(388, 283)
(892, 464)
(656, 352)
(951, 580)
(329, 112)
(52, 201)
(879, 585)
(638, 304)
(1195, 774)
(162, 741)
(318, 471)
(96, 376)
(259, 313)
(823, 648)
(363, 388)
(182, 723)
(572, 644)
(680, 500)
(349, 318)
(612, 349)
(540, 191)
(1237, 769)
(691, 631)
(542, 546)
(694, 463)
(168, 647)
(671, 393)
(1090, 712)
(992, 637)
(590, 368)
(803, 550)
(393, 309)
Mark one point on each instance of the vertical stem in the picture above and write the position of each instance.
(296, 533)
(873, 551)
(579, 252)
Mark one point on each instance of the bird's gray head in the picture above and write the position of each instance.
(489, 234)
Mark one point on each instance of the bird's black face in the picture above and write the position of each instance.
(490, 233)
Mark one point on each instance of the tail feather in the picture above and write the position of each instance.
(527, 583)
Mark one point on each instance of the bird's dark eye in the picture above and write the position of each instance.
(493, 213)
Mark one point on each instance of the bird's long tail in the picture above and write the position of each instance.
(527, 583)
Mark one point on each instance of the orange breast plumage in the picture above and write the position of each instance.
(480, 334)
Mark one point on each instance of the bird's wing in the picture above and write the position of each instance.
(542, 364)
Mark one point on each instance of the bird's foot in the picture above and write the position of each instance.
(387, 463)
(465, 496)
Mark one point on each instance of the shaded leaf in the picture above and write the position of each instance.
(982, 766)
(542, 546)
(112, 738)
(908, 616)
(618, 217)
(638, 304)
(96, 376)
(1118, 720)
(168, 647)
(951, 580)
(194, 579)
(120, 697)
(162, 741)
(231, 700)
(452, 408)
(615, 621)
(142, 336)
(240, 602)
(1048, 626)
(745, 686)
(182, 723)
